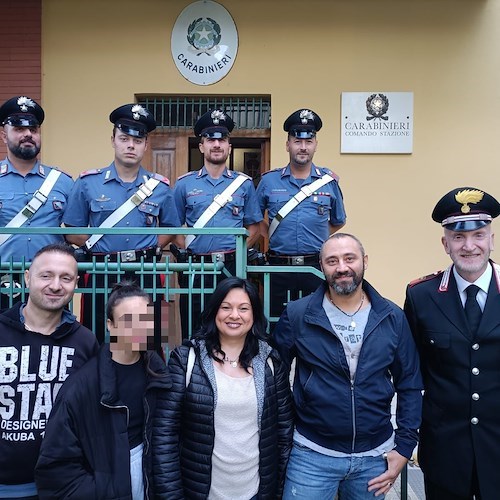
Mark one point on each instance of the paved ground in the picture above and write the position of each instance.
(415, 486)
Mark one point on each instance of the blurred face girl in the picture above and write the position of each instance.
(234, 318)
(131, 323)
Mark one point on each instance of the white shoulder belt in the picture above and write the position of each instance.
(293, 202)
(144, 191)
(219, 201)
(31, 208)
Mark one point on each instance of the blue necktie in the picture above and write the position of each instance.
(472, 310)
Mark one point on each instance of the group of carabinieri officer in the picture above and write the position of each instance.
(303, 203)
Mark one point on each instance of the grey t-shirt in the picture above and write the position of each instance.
(350, 331)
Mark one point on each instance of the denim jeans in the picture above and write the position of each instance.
(313, 476)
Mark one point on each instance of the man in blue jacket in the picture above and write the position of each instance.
(353, 351)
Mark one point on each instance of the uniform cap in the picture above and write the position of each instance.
(303, 124)
(214, 124)
(466, 209)
(21, 111)
(133, 119)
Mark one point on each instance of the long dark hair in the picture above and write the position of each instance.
(208, 330)
(123, 290)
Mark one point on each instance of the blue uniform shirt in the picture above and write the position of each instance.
(195, 191)
(98, 193)
(15, 192)
(306, 227)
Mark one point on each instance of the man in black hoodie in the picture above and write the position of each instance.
(41, 344)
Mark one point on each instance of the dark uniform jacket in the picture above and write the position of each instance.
(85, 453)
(461, 411)
(185, 440)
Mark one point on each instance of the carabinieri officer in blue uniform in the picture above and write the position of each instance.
(22, 175)
(304, 205)
(194, 195)
(31, 194)
(104, 193)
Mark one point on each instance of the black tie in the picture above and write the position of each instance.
(472, 310)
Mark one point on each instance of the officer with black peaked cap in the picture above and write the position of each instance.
(214, 196)
(455, 320)
(123, 194)
(304, 206)
(32, 194)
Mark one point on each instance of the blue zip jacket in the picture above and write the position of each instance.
(332, 412)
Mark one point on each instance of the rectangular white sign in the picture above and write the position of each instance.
(377, 122)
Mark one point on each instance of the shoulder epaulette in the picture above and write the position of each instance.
(59, 170)
(329, 172)
(245, 175)
(191, 172)
(272, 170)
(91, 172)
(424, 278)
(161, 178)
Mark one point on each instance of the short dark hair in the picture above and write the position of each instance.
(208, 330)
(123, 290)
(56, 248)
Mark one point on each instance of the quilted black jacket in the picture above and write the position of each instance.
(85, 452)
(184, 439)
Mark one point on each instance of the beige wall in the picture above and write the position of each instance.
(98, 54)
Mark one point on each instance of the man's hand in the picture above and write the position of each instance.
(383, 483)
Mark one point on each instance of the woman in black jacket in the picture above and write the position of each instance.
(98, 439)
(227, 430)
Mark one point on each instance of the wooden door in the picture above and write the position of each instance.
(167, 154)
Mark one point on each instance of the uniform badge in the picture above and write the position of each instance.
(106, 177)
(236, 211)
(57, 205)
(468, 196)
(41, 170)
(24, 103)
(321, 210)
(102, 198)
(3, 168)
(138, 111)
(217, 116)
(306, 115)
(149, 220)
